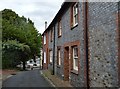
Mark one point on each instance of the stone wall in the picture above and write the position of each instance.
(103, 45)
(71, 35)
(103, 52)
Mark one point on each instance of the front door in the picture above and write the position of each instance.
(66, 63)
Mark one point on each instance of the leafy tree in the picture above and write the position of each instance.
(21, 30)
(16, 52)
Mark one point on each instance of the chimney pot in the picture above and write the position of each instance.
(45, 25)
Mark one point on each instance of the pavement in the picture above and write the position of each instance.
(4, 74)
(7, 73)
(57, 82)
(31, 78)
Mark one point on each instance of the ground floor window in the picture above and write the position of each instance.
(44, 57)
(59, 57)
(75, 57)
(72, 57)
(51, 56)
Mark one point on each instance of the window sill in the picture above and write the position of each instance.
(74, 72)
(59, 36)
(58, 66)
(50, 63)
(74, 26)
(44, 44)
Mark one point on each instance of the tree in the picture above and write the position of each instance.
(16, 52)
(21, 30)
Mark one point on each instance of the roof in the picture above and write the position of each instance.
(63, 8)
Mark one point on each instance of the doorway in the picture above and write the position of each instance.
(66, 63)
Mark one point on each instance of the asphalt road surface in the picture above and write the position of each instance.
(31, 78)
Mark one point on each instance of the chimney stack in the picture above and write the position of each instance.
(45, 25)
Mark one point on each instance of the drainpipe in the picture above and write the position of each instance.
(119, 44)
(54, 53)
(86, 44)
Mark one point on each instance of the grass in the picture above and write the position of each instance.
(47, 73)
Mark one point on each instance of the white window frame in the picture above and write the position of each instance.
(75, 14)
(44, 39)
(44, 57)
(59, 57)
(60, 28)
(75, 58)
(51, 56)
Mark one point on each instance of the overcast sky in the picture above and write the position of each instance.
(38, 11)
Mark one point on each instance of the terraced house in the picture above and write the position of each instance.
(82, 44)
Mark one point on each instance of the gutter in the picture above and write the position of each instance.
(86, 45)
(53, 72)
(118, 43)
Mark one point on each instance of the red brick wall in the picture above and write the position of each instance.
(46, 49)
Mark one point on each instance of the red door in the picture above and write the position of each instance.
(66, 63)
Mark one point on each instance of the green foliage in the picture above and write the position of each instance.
(19, 34)
(12, 51)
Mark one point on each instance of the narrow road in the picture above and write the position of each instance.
(31, 78)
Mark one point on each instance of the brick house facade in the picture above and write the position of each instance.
(82, 44)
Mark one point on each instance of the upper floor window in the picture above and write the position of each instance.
(74, 15)
(59, 28)
(44, 39)
(51, 35)
(75, 58)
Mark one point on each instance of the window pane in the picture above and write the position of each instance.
(75, 14)
(75, 20)
(59, 57)
(76, 62)
(75, 52)
(44, 57)
(60, 32)
(44, 39)
(75, 57)
(60, 27)
(76, 9)
(51, 56)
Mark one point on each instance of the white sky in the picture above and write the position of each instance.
(38, 11)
